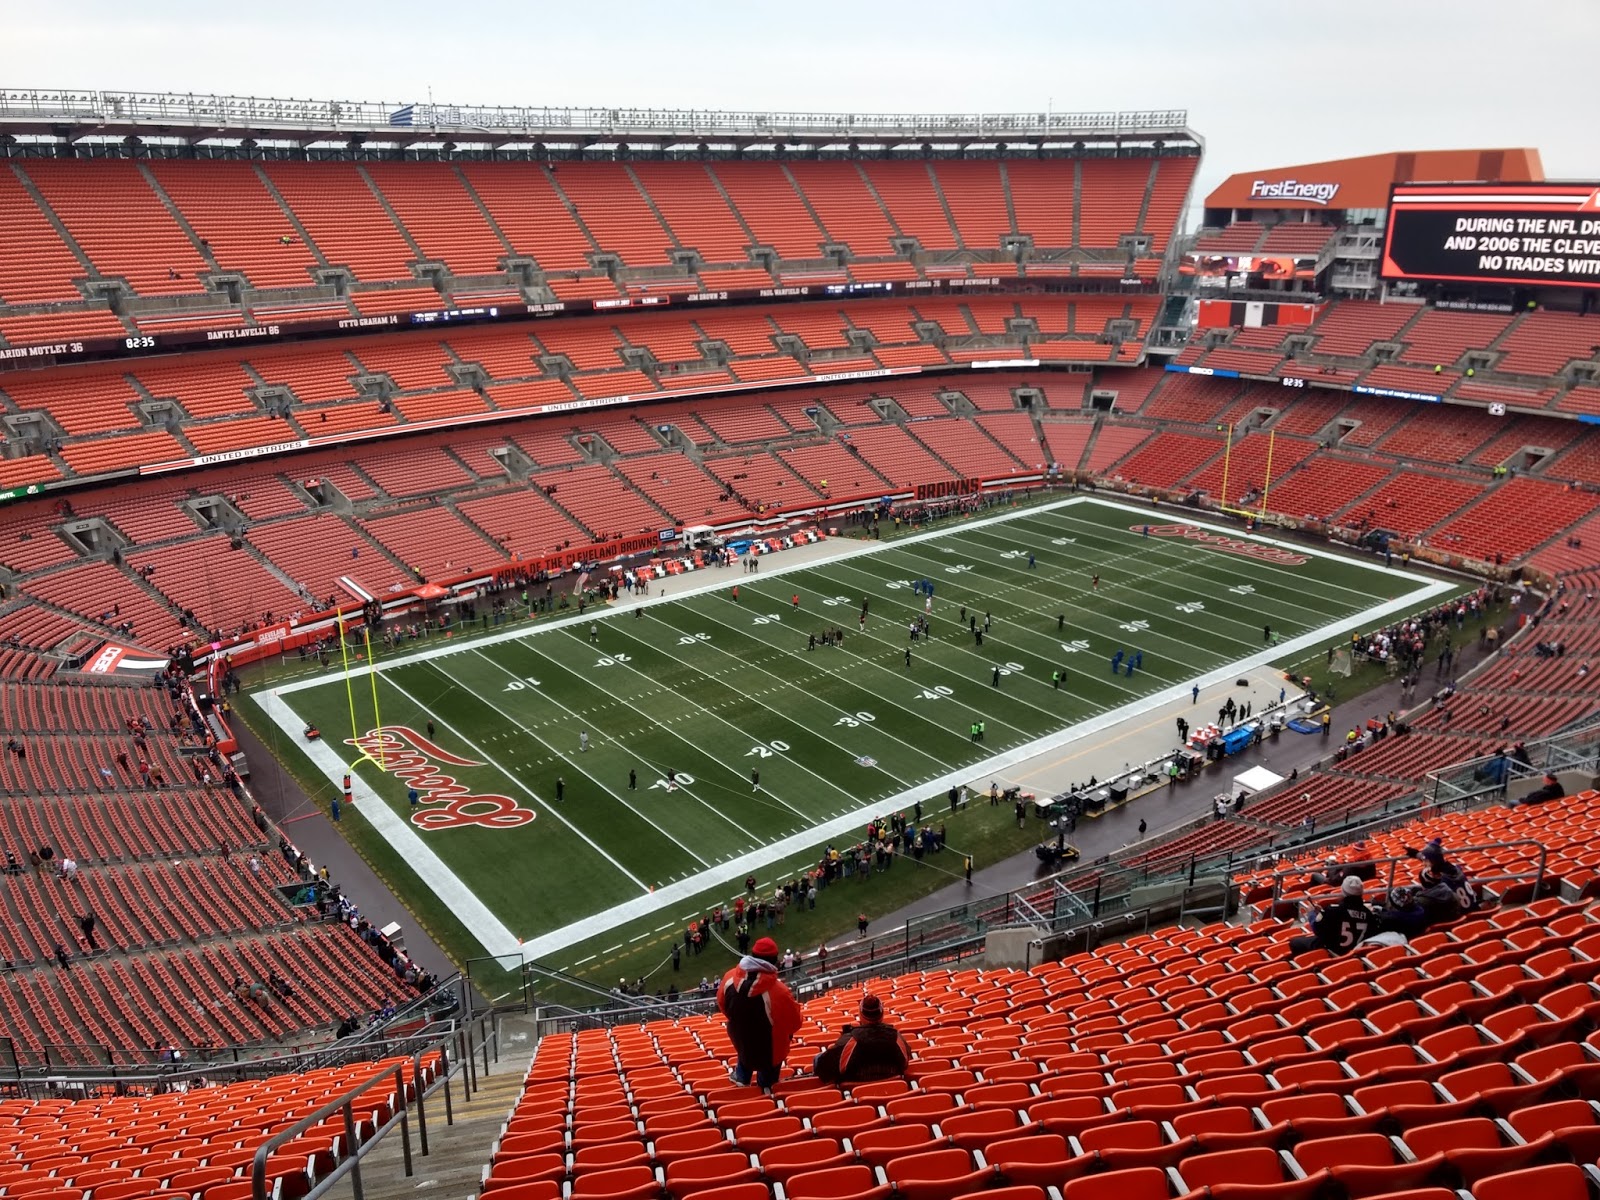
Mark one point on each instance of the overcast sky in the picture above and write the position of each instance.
(1266, 82)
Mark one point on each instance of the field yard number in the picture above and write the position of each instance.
(767, 751)
(1063, 541)
(769, 619)
(1191, 607)
(614, 660)
(894, 585)
(959, 568)
(1075, 647)
(517, 685)
(1013, 554)
(1134, 626)
(684, 780)
(1011, 668)
(937, 692)
(835, 601)
(694, 639)
(1243, 589)
(852, 722)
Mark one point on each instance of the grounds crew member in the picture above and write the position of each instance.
(762, 1015)
(870, 1050)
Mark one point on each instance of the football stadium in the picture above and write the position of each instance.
(630, 653)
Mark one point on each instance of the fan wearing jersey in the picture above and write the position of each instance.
(1340, 927)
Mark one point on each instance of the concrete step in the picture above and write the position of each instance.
(457, 1153)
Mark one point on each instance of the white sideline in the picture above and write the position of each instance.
(497, 938)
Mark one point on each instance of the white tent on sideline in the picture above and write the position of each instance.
(1256, 779)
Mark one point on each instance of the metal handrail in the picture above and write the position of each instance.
(125, 1063)
(341, 1104)
(1279, 877)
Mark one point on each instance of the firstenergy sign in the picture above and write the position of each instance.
(1293, 189)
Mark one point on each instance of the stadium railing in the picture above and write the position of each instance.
(245, 111)
(440, 1057)
(1088, 905)
(88, 1060)
(343, 1107)
(1386, 867)
(1463, 782)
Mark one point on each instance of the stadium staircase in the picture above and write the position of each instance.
(744, 223)
(1149, 194)
(655, 210)
(805, 201)
(301, 231)
(553, 499)
(283, 576)
(181, 221)
(484, 212)
(911, 432)
(552, 177)
(388, 208)
(949, 212)
(458, 1152)
(883, 207)
(55, 221)
(625, 482)
(1011, 203)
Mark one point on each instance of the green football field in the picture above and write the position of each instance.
(711, 689)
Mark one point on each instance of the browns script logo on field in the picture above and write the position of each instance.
(447, 804)
(1217, 541)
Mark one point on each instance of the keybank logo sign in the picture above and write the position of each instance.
(1293, 189)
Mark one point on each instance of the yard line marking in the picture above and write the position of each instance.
(844, 553)
(963, 633)
(571, 762)
(738, 771)
(597, 924)
(849, 555)
(1221, 567)
(959, 643)
(1004, 591)
(712, 645)
(1175, 561)
(661, 724)
(524, 788)
(798, 656)
(1085, 596)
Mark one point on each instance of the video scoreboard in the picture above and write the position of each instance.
(1517, 234)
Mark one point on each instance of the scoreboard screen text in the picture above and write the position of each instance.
(1522, 234)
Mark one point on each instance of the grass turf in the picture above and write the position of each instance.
(711, 688)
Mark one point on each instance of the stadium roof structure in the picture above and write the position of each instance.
(74, 116)
(1364, 182)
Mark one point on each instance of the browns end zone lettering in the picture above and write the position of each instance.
(411, 758)
(1217, 541)
(948, 487)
